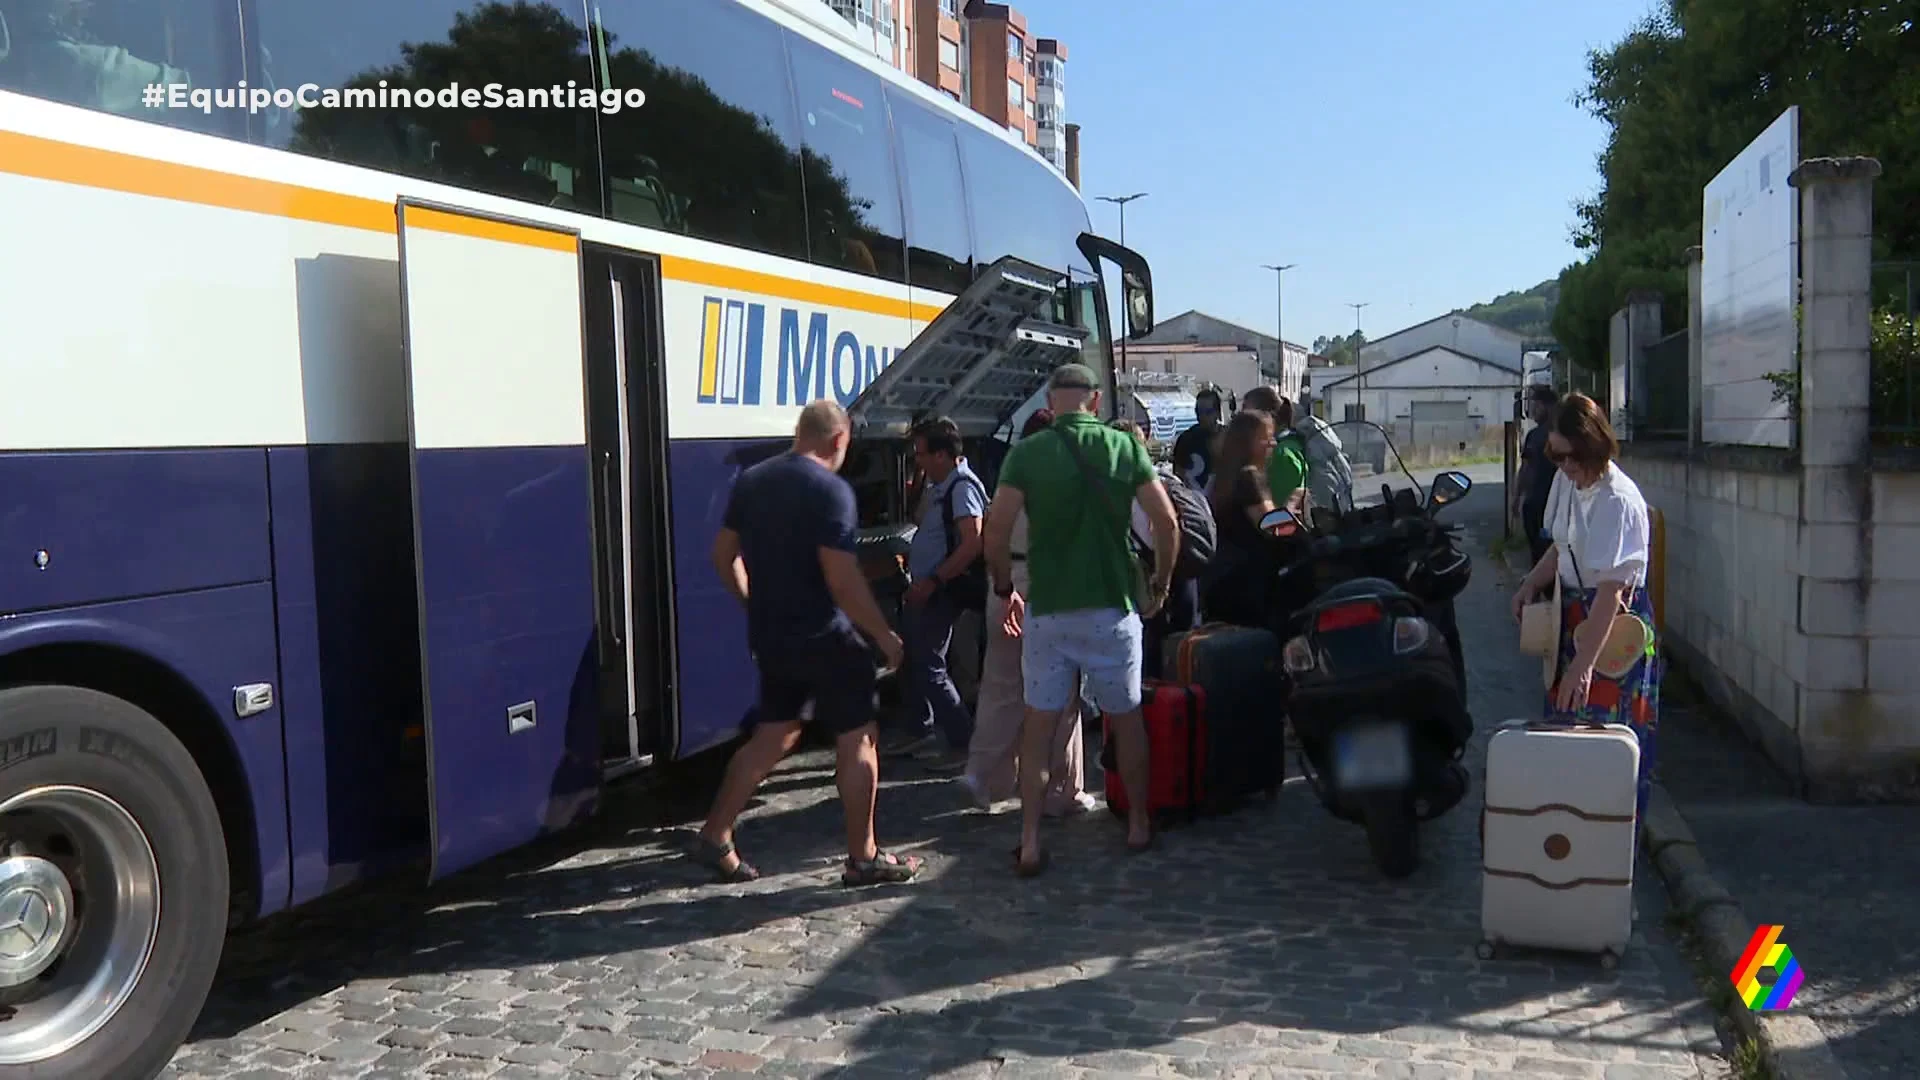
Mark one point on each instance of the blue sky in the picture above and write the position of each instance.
(1416, 156)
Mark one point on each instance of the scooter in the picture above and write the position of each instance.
(1378, 702)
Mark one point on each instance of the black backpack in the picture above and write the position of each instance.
(968, 592)
(1198, 539)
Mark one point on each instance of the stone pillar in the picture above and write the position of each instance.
(1696, 328)
(1844, 739)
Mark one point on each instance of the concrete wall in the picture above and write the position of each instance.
(1793, 576)
(1764, 606)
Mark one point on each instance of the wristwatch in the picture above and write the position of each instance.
(1003, 593)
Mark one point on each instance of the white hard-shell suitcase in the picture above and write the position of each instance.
(1557, 838)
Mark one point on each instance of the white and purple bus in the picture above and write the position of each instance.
(360, 454)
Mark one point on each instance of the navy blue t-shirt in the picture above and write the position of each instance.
(786, 509)
(1540, 479)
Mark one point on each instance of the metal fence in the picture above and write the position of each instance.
(1895, 408)
(1660, 402)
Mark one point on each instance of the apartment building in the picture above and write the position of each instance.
(978, 53)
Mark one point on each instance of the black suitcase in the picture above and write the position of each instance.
(1239, 670)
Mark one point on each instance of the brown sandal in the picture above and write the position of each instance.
(885, 868)
(714, 857)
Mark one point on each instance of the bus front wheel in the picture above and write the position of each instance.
(113, 887)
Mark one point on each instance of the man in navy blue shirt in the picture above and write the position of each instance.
(938, 726)
(1535, 477)
(786, 551)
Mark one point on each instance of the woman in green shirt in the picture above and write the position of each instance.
(1287, 465)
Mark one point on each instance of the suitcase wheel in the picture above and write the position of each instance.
(1486, 950)
(1609, 960)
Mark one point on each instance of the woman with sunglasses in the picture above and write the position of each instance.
(1602, 540)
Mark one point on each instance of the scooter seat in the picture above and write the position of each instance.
(1359, 589)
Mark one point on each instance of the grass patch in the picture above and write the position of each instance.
(1749, 1062)
(1501, 545)
(1745, 1057)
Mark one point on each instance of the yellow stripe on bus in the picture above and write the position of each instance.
(710, 349)
(109, 170)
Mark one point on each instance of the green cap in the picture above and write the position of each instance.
(1073, 377)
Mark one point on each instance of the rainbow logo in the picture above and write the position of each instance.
(1766, 952)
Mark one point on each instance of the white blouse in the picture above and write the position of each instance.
(1604, 527)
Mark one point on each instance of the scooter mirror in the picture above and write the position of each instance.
(1280, 523)
(1449, 487)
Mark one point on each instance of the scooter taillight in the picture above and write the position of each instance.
(1348, 616)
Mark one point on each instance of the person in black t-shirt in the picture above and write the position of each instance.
(1193, 450)
(1535, 478)
(786, 550)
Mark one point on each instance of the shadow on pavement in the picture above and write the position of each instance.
(1265, 931)
(1841, 879)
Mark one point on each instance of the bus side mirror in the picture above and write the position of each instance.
(1136, 280)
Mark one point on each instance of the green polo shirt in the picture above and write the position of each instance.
(1076, 547)
(1287, 468)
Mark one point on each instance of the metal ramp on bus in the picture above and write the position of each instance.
(978, 362)
(502, 522)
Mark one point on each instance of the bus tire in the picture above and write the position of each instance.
(89, 781)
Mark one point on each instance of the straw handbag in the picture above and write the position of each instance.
(1540, 631)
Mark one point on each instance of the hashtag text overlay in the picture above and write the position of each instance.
(311, 96)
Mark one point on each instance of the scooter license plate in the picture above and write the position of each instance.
(1371, 758)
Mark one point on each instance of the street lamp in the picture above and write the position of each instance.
(1121, 201)
(1279, 311)
(1357, 368)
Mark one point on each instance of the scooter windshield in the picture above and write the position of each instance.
(1379, 474)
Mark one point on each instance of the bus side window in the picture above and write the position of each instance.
(541, 152)
(853, 190)
(939, 249)
(1012, 213)
(104, 56)
(714, 152)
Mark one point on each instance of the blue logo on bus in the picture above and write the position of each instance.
(807, 358)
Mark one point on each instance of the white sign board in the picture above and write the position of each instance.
(1749, 284)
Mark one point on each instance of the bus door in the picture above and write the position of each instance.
(502, 524)
(626, 434)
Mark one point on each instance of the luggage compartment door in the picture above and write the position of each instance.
(502, 525)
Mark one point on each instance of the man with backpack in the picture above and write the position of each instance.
(1197, 543)
(949, 577)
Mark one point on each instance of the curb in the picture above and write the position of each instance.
(1793, 1046)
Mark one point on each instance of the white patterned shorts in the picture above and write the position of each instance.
(1103, 645)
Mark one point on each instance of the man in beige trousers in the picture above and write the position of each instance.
(993, 755)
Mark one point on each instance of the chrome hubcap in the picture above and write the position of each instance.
(36, 909)
(79, 914)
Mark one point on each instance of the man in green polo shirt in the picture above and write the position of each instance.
(1077, 482)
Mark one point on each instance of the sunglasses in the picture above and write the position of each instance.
(1558, 457)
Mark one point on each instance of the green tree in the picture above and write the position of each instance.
(710, 168)
(1340, 350)
(1529, 313)
(1690, 86)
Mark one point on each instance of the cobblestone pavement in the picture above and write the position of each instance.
(1259, 946)
(1862, 956)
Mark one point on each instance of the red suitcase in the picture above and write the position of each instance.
(1176, 720)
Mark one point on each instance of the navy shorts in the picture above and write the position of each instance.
(830, 680)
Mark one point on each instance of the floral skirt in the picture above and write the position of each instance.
(1633, 699)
